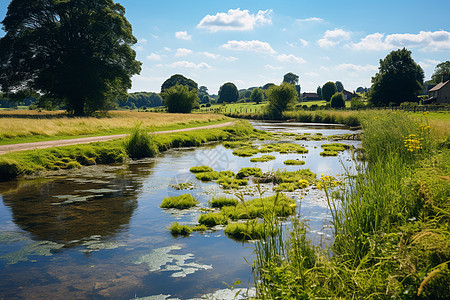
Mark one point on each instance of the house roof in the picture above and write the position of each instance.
(439, 86)
(310, 95)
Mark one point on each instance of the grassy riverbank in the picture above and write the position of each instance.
(32, 126)
(31, 162)
(391, 224)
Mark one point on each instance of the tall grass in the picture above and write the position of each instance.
(140, 144)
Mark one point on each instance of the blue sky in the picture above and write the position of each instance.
(251, 43)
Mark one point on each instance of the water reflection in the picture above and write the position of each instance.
(95, 201)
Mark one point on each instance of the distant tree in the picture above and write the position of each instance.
(205, 99)
(441, 69)
(179, 99)
(141, 99)
(202, 91)
(399, 79)
(319, 92)
(256, 96)
(281, 98)
(339, 86)
(337, 100)
(328, 90)
(291, 78)
(267, 85)
(75, 52)
(228, 93)
(178, 79)
(360, 90)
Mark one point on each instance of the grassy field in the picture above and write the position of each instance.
(21, 126)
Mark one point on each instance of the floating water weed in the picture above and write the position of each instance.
(207, 176)
(180, 202)
(201, 169)
(177, 229)
(246, 231)
(247, 172)
(263, 158)
(245, 152)
(223, 201)
(213, 219)
(294, 162)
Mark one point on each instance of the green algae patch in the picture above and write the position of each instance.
(177, 229)
(247, 172)
(237, 144)
(286, 181)
(231, 183)
(179, 202)
(45, 248)
(213, 219)
(183, 186)
(223, 201)
(283, 148)
(335, 147)
(294, 162)
(247, 231)
(245, 151)
(199, 227)
(263, 158)
(226, 174)
(280, 205)
(201, 169)
(329, 153)
(207, 176)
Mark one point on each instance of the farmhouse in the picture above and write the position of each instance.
(310, 97)
(441, 92)
(348, 95)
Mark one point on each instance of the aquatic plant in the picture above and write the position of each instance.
(329, 153)
(263, 158)
(180, 202)
(213, 219)
(223, 201)
(200, 169)
(177, 229)
(245, 151)
(231, 182)
(226, 174)
(283, 148)
(199, 227)
(294, 162)
(335, 147)
(247, 172)
(246, 231)
(207, 176)
(237, 144)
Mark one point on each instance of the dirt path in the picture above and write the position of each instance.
(48, 144)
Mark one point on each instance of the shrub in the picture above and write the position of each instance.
(177, 229)
(328, 90)
(179, 99)
(337, 100)
(140, 144)
(180, 202)
(280, 98)
(213, 219)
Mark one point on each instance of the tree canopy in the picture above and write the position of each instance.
(337, 100)
(399, 79)
(339, 86)
(256, 95)
(180, 99)
(281, 98)
(178, 79)
(77, 52)
(328, 90)
(439, 71)
(291, 78)
(228, 93)
(319, 92)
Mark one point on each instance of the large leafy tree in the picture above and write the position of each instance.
(180, 99)
(75, 51)
(281, 98)
(228, 93)
(339, 86)
(439, 71)
(178, 79)
(328, 90)
(256, 96)
(291, 78)
(399, 79)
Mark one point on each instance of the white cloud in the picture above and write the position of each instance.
(433, 61)
(291, 58)
(424, 40)
(309, 20)
(167, 49)
(273, 67)
(231, 58)
(182, 52)
(154, 56)
(183, 35)
(304, 42)
(357, 68)
(139, 48)
(254, 46)
(210, 55)
(312, 74)
(142, 41)
(235, 20)
(189, 65)
(333, 37)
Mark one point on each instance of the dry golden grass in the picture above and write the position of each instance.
(25, 123)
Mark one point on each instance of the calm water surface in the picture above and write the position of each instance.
(98, 232)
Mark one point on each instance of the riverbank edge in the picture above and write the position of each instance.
(38, 161)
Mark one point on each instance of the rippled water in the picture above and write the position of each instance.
(98, 232)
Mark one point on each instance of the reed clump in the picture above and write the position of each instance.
(179, 202)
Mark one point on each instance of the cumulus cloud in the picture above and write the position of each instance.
(210, 55)
(291, 58)
(231, 58)
(182, 52)
(154, 56)
(254, 46)
(183, 35)
(424, 41)
(304, 42)
(270, 67)
(142, 41)
(333, 37)
(189, 65)
(310, 20)
(235, 20)
(357, 68)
